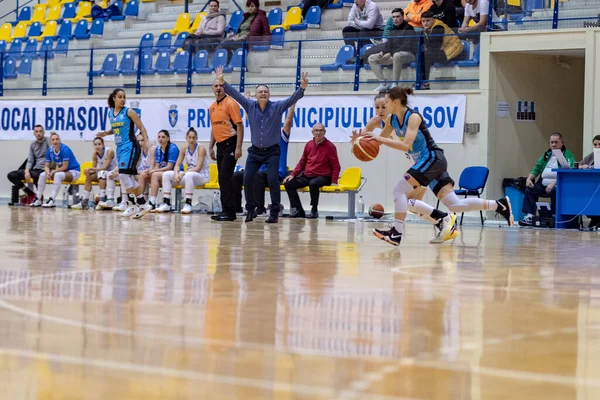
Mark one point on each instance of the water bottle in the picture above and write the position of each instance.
(217, 203)
(360, 208)
(65, 197)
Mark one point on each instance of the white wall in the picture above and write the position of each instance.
(381, 174)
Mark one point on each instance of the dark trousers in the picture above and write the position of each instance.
(194, 42)
(238, 186)
(261, 182)
(352, 35)
(310, 3)
(256, 158)
(226, 165)
(314, 183)
(533, 194)
(430, 57)
(16, 178)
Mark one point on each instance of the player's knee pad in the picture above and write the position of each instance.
(403, 187)
(125, 181)
(453, 203)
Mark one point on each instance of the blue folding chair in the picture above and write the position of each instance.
(180, 64)
(109, 65)
(313, 17)
(179, 41)
(235, 21)
(471, 183)
(343, 55)
(127, 65)
(25, 66)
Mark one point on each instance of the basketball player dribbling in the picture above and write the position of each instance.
(122, 121)
(429, 170)
(443, 223)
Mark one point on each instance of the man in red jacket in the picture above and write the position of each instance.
(318, 167)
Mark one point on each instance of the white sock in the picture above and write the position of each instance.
(102, 193)
(399, 225)
(153, 199)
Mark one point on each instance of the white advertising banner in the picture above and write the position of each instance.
(81, 119)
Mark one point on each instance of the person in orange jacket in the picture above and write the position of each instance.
(413, 11)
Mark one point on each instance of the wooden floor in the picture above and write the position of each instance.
(179, 307)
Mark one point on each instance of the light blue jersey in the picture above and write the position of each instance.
(123, 129)
(423, 146)
(63, 154)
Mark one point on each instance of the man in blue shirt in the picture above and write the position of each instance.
(264, 117)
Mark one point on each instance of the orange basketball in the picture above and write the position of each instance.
(365, 148)
(376, 211)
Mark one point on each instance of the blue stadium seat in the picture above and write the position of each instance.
(180, 64)
(363, 50)
(132, 10)
(313, 17)
(236, 60)
(65, 30)
(2, 46)
(35, 30)
(474, 62)
(47, 45)
(200, 61)
(275, 16)
(179, 41)
(109, 65)
(115, 17)
(24, 15)
(127, 66)
(235, 21)
(25, 66)
(81, 30)
(97, 29)
(163, 42)
(219, 59)
(261, 48)
(30, 49)
(163, 63)
(146, 61)
(343, 55)
(277, 38)
(147, 42)
(62, 48)
(15, 48)
(69, 12)
(10, 68)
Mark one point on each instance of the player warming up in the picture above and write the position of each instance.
(122, 121)
(430, 168)
(443, 223)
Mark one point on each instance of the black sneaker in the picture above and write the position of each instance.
(505, 210)
(272, 219)
(249, 218)
(391, 236)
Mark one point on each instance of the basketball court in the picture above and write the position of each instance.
(180, 307)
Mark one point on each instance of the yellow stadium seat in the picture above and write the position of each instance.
(5, 31)
(182, 24)
(350, 180)
(102, 4)
(293, 17)
(52, 3)
(20, 32)
(214, 178)
(39, 14)
(196, 23)
(147, 1)
(54, 13)
(84, 11)
(49, 31)
(83, 167)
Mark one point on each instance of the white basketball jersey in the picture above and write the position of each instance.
(191, 160)
(144, 163)
(101, 160)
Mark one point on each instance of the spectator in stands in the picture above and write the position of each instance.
(546, 186)
(211, 30)
(395, 51)
(61, 166)
(254, 29)
(319, 166)
(310, 3)
(414, 10)
(364, 21)
(588, 162)
(445, 11)
(440, 45)
(477, 10)
(32, 167)
(264, 117)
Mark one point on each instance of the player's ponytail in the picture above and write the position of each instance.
(400, 93)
